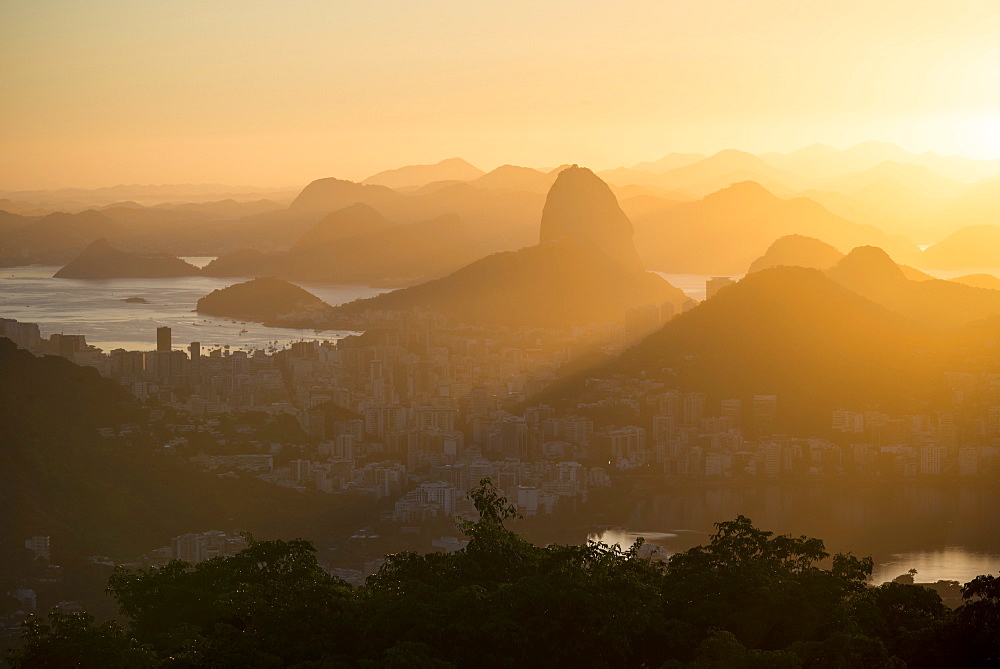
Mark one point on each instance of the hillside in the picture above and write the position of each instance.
(556, 284)
(111, 496)
(102, 261)
(357, 219)
(725, 168)
(450, 169)
(727, 230)
(870, 272)
(55, 238)
(264, 300)
(797, 251)
(790, 332)
(585, 270)
(582, 209)
(979, 281)
(974, 246)
(330, 194)
(358, 245)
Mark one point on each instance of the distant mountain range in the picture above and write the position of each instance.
(870, 272)
(870, 194)
(102, 261)
(976, 246)
(584, 270)
(452, 169)
(726, 231)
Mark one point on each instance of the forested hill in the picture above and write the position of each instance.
(115, 496)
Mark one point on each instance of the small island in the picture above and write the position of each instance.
(266, 300)
(136, 300)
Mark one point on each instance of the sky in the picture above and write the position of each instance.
(102, 92)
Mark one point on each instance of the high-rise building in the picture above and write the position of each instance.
(715, 284)
(163, 342)
(514, 437)
(195, 350)
(765, 410)
(667, 311)
(40, 546)
(732, 409)
(694, 407)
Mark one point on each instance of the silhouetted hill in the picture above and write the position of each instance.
(399, 255)
(971, 247)
(581, 208)
(111, 496)
(56, 238)
(451, 169)
(870, 272)
(514, 177)
(867, 269)
(330, 194)
(555, 284)
(979, 281)
(584, 271)
(500, 218)
(357, 219)
(338, 250)
(891, 208)
(10, 221)
(227, 208)
(797, 251)
(896, 174)
(727, 167)
(787, 331)
(727, 230)
(266, 299)
(824, 162)
(102, 261)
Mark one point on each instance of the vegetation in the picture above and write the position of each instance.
(263, 299)
(747, 599)
(116, 496)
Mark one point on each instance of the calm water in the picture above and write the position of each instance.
(95, 308)
(944, 532)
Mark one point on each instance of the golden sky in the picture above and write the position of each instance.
(99, 92)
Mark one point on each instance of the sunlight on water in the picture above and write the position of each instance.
(95, 308)
(946, 564)
(654, 541)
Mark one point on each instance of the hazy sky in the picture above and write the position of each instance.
(99, 92)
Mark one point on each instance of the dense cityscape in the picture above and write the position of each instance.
(646, 334)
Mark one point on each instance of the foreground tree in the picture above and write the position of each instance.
(747, 599)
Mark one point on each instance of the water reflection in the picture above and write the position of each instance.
(945, 532)
(946, 564)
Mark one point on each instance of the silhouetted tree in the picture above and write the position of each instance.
(748, 599)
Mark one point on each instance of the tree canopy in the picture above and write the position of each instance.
(746, 599)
